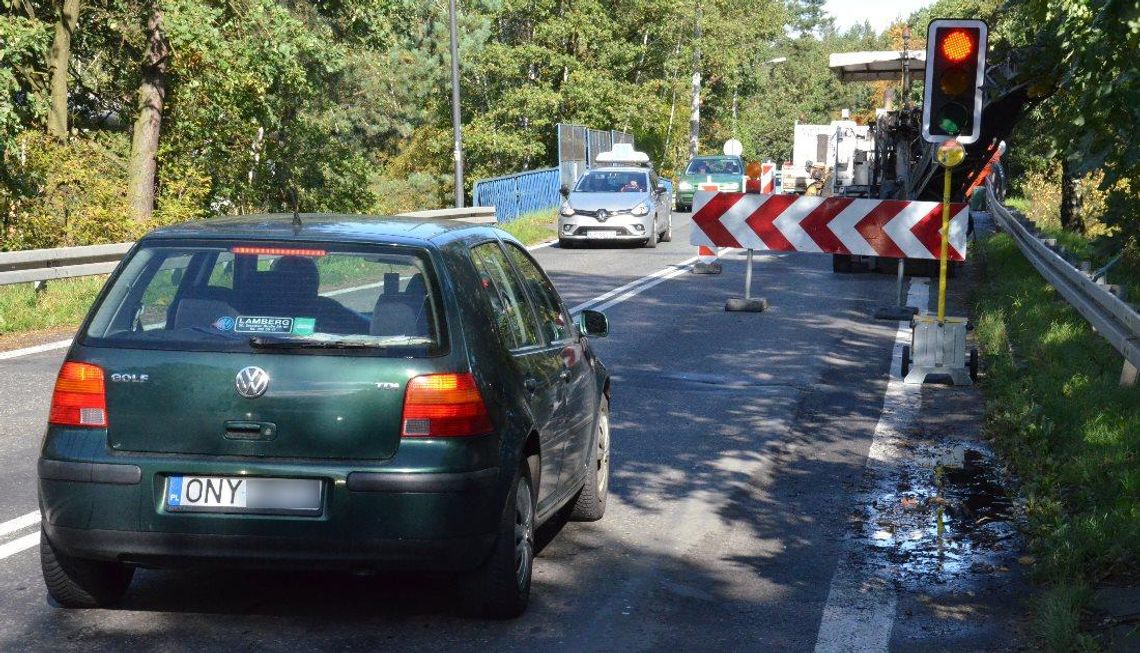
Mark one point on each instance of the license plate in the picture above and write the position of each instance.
(243, 494)
(599, 234)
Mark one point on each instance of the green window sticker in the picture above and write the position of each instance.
(304, 326)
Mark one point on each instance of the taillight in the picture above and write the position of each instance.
(444, 406)
(80, 398)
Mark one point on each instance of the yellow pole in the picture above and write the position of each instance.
(945, 245)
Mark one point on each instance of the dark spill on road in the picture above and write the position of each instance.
(947, 518)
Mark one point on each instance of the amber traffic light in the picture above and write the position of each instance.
(955, 69)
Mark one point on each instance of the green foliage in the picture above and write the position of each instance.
(63, 304)
(533, 228)
(1089, 49)
(1072, 434)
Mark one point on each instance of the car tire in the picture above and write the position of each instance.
(79, 583)
(651, 242)
(500, 587)
(565, 243)
(667, 237)
(905, 367)
(590, 504)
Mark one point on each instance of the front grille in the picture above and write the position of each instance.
(594, 214)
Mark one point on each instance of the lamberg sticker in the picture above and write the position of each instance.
(263, 324)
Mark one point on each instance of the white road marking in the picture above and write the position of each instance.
(15, 546)
(19, 523)
(860, 610)
(634, 287)
(38, 349)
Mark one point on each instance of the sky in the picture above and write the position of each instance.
(881, 13)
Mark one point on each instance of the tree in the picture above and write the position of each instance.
(148, 125)
(60, 63)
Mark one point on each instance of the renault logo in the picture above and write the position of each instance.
(602, 215)
(252, 382)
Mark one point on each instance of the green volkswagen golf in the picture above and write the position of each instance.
(322, 392)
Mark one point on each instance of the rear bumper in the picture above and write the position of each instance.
(371, 517)
(188, 550)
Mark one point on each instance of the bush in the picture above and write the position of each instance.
(66, 194)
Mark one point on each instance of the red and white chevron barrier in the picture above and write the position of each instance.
(826, 225)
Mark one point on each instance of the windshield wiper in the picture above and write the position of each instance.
(261, 342)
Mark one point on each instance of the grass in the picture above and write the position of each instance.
(62, 303)
(1056, 411)
(533, 228)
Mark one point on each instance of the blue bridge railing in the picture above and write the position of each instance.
(519, 194)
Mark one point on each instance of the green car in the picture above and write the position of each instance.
(727, 172)
(328, 392)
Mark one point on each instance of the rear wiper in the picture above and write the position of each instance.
(261, 342)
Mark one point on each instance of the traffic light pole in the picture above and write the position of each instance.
(945, 252)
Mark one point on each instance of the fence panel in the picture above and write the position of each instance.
(572, 159)
(515, 195)
(599, 141)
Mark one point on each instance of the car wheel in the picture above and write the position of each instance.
(78, 583)
(500, 587)
(905, 367)
(590, 504)
(651, 242)
(668, 235)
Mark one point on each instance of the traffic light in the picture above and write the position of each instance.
(955, 69)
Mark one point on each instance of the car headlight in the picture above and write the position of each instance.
(685, 186)
(566, 209)
(640, 209)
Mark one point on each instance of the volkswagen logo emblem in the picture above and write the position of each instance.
(252, 382)
(602, 215)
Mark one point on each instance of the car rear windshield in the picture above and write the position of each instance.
(713, 167)
(238, 296)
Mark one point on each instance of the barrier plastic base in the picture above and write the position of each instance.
(740, 305)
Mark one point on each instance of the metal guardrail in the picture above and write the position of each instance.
(1113, 319)
(518, 194)
(59, 263)
(35, 265)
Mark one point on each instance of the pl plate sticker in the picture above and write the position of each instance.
(263, 324)
(224, 323)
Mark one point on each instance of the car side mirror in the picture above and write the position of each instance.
(593, 323)
(564, 191)
(662, 188)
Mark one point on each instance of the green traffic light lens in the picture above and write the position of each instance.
(953, 118)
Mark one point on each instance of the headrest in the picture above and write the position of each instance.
(416, 286)
(298, 274)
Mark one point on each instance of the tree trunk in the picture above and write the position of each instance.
(1070, 199)
(144, 141)
(695, 109)
(58, 62)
